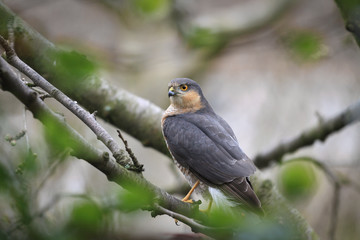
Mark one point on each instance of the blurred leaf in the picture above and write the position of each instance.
(347, 6)
(134, 198)
(248, 225)
(305, 45)
(203, 38)
(223, 217)
(264, 230)
(151, 7)
(56, 138)
(86, 216)
(5, 178)
(22, 201)
(29, 163)
(297, 180)
(73, 67)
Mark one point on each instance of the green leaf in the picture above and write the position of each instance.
(265, 230)
(86, 216)
(134, 198)
(247, 225)
(73, 67)
(203, 38)
(5, 179)
(297, 180)
(305, 45)
(55, 136)
(220, 217)
(348, 6)
(151, 7)
(29, 163)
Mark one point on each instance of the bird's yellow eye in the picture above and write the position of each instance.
(184, 87)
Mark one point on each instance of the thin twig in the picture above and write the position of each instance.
(19, 223)
(43, 96)
(12, 139)
(26, 129)
(309, 136)
(136, 165)
(38, 214)
(81, 113)
(195, 226)
(51, 170)
(17, 136)
(94, 114)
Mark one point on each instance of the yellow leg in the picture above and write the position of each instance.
(186, 198)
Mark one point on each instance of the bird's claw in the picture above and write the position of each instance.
(187, 200)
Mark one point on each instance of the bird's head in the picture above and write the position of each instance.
(186, 94)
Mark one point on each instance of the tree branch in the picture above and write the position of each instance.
(136, 164)
(195, 226)
(83, 150)
(78, 111)
(137, 116)
(320, 132)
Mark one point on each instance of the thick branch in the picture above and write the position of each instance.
(309, 136)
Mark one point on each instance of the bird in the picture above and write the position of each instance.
(205, 149)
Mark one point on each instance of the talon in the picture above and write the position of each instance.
(187, 197)
(187, 200)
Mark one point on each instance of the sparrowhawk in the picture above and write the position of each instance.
(205, 148)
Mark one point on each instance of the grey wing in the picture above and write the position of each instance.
(202, 145)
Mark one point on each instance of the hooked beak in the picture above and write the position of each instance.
(171, 92)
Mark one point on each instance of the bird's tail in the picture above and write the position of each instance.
(241, 192)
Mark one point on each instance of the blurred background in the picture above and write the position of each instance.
(270, 68)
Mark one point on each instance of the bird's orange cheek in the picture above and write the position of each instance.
(192, 100)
